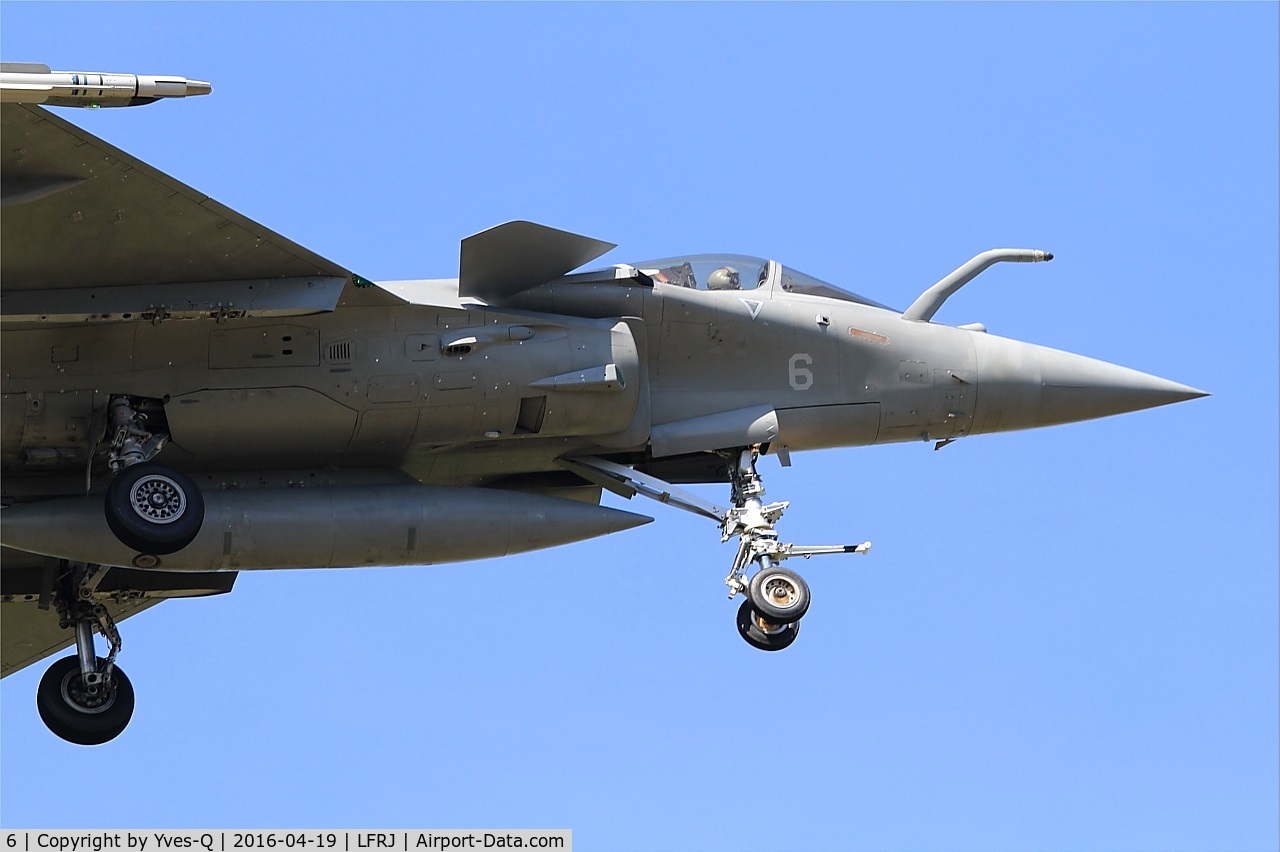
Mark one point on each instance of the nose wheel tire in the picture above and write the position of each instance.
(77, 715)
(778, 595)
(762, 633)
(154, 509)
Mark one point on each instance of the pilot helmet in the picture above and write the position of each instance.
(724, 278)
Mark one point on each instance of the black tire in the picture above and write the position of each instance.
(154, 509)
(773, 638)
(779, 595)
(76, 717)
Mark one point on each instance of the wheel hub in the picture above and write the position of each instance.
(158, 499)
(84, 698)
(782, 591)
(767, 626)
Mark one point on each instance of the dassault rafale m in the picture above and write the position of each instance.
(187, 395)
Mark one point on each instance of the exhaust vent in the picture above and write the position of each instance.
(340, 352)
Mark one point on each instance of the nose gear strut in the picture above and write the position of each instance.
(776, 598)
(754, 523)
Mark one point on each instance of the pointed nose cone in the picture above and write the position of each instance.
(1073, 387)
(1022, 386)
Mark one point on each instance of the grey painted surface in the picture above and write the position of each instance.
(269, 528)
(474, 390)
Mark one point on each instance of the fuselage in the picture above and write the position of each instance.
(461, 393)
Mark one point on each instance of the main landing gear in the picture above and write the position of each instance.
(776, 598)
(152, 508)
(85, 699)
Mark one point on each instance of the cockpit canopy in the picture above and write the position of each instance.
(741, 272)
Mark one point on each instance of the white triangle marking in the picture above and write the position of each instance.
(753, 306)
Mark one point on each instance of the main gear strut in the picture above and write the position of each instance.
(130, 442)
(152, 509)
(78, 608)
(85, 698)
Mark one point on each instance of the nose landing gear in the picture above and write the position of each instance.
(776, 598)
(769, 619)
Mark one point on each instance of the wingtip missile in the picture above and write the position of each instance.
(32, 83)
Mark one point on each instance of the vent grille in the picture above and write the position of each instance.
(340, 352)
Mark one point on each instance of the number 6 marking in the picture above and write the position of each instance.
(801, 377)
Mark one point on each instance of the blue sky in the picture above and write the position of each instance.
(1063, 638)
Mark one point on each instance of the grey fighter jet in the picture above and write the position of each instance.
(187, 395)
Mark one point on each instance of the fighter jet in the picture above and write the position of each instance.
(187, 395)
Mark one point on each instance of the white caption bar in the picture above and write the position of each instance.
(346, 840)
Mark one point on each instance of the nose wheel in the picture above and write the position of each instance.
(760, 632)
(778, 595)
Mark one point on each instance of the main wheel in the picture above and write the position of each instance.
(778, 594)
(154, 509)
(763, 634)
(78, 716)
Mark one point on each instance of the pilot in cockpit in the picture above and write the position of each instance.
(724, 278)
